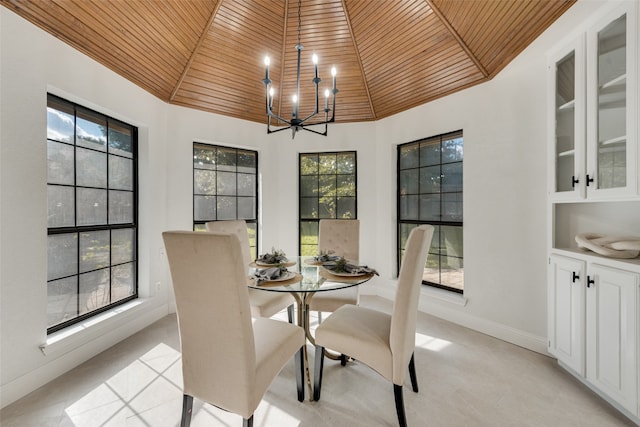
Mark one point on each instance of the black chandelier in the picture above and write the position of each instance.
(296, 123)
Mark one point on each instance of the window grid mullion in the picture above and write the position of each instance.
(215, 184)
(335, 193)
(75, 206)
(237, 197)
(108, 187)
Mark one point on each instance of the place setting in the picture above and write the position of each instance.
(274, 258)
(343, 268)
(271, 268)
(324, 256)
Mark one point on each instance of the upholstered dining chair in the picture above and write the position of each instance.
(384, 342)
(342, 236)
(228, 359)
(263, 304)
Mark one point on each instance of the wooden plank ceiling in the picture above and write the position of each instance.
(391, 55)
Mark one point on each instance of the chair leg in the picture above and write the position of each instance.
(397, 391)
(299, 362)
(187, 408)
(290, 313)
(343, 359)
(319, 317)
(412, 373)
(247, 422)
(317, 383)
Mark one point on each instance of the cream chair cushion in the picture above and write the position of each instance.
(263, 304)
(228, 359)
(237, 227)
(331, 300)
(382, 341)
(274, 343)
(361, 333)
(342, 236)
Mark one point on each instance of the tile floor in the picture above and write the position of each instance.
(466, 379)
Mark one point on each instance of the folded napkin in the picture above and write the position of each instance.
(273, 258)
(349, 268)
(326, 258)
(271, 273)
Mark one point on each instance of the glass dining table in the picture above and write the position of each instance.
(304, 278)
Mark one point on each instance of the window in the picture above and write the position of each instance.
(92, 213)
(430, 192)
(225, 186)
(327, 190)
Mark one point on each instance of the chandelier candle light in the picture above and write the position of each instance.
(296, 124)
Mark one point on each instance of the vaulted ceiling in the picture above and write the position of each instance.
(391, 55)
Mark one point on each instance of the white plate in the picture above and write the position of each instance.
(286, 264)
(264, 264)
(288, 275)
(343, 273)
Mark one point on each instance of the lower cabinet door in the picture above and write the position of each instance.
(566, 294)
(612, 334)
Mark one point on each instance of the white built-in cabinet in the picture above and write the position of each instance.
(593, 112)
(593, 325)
(566, 310)
(594, 187)
(612, 333)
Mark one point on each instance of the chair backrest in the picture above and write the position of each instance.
(341, 236)
(237, 227)
(405, 307)
(214, 318)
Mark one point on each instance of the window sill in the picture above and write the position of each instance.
(72, 337)
(443, 295)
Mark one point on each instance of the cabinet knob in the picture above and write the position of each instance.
(574, 181)
(590, 281)
(589, 179)
(574, 277)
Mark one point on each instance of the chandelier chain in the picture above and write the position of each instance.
(299, 20)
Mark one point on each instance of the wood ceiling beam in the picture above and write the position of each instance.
(455, 35)
(195, 51)
(359, 57)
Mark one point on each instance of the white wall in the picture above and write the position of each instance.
(504, 172)
(34, 63)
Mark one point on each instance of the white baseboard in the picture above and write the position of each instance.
(450, 311)
(25, 384)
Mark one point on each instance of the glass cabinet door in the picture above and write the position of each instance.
(567, 118)
(612, 147)
(611, 140)
(565, 112)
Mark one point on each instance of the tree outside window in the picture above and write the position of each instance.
(328, 189)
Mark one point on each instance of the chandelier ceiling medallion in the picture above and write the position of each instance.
(296, 123)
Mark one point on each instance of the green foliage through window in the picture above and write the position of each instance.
(327, 190)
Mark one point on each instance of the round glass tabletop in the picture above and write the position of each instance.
(309, 276)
